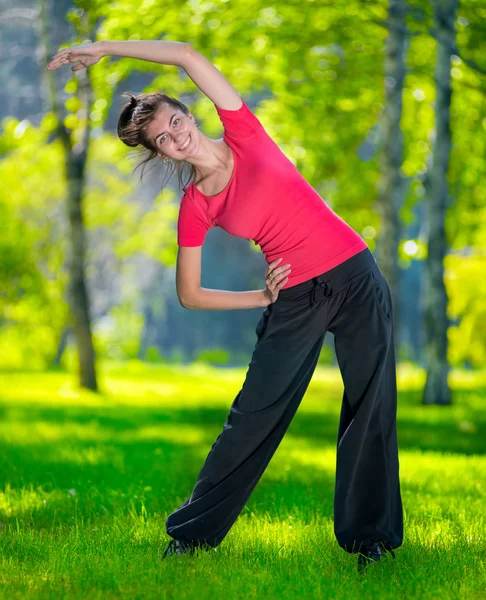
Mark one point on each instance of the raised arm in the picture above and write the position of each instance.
(203, 73)
(210, 80)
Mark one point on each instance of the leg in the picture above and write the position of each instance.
(281, 368)
(367, 502)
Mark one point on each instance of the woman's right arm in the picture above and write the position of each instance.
(203, 73)
(157, 51)
(88, 54)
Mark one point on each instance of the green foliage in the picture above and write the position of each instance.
(466, 290)
(318, 78)
(32, 234)
(69, 359)
(152, 234)
(177, 356)
(117, 336)
(326, 357)
(323, 105)
(152, 355)
(20, 349)
(213, 356)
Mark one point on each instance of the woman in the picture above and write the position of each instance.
(321, 276)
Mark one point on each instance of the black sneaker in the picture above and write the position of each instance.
(181, 547)
(372, 553)
(178, 547)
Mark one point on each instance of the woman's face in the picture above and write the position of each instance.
(173, 133)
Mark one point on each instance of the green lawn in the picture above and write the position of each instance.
(88, 480)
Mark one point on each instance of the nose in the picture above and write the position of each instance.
(181, 138)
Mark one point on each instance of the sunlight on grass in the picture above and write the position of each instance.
(89, 479)
(35, 433)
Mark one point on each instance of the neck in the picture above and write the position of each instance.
(211, 158)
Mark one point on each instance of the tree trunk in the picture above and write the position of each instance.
(75, 165)
(63, 341)
(392, 184)
(148, 331)
(78, 292)
(436, 389)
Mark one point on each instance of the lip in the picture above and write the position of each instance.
(190, 140)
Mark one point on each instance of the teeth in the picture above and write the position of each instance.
(185, 144)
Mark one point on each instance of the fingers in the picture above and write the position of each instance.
(272, 265)
(280, 272)
(282, 278)
(278, 275)
(63, 57)
(58, 60)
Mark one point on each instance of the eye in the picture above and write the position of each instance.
(162, 139)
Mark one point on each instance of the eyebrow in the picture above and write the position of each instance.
(159, 134)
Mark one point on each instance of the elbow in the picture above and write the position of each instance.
(186, 302)
(188, 53)
(187, 295)
(182, 302)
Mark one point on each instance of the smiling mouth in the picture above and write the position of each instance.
(185, 144)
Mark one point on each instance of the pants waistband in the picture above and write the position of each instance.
(332, 281)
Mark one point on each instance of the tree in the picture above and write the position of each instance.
(392, 185)
(75, 139)
(436, 390)
(313, 73)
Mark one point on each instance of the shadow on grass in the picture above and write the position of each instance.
(44, 486)
(102, 460)
(438, 429)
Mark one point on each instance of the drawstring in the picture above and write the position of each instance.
(321, 289)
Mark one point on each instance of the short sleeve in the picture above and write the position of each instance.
(239, 123)
(192, 225)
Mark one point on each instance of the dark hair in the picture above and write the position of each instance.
(133, 121)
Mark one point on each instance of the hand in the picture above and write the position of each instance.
(85, 55)
(276, 278)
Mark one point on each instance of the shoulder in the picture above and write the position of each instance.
(193, 222)
(191, 207)
(241, 122)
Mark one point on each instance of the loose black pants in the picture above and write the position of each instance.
(353, 301)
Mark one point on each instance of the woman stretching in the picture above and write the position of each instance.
(321, 276)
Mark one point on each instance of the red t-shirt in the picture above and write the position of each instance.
(268, 201)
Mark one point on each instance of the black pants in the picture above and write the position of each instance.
(353, 301)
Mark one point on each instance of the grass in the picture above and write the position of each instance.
(88, 481)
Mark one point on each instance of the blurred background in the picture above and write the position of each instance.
(111, 393)
(380, 105)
